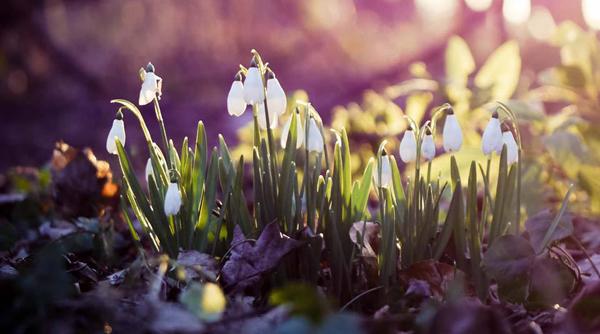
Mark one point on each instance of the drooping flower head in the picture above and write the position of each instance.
(236, 105)
(428, 146)
(408, 146)
(314, 141)
(492, 136)
(151, 87)
(276, 99)
(386, 180)
(452, 134)
(254, 91)
(117, 131)
(299, 131)
(512, 149)
(172, 198)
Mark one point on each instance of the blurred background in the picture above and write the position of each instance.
(61, 62)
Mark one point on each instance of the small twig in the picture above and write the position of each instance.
(580, 246)
(359, 296)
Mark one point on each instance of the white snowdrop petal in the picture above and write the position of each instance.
(512, 149)
(236, 105)
(262, 118)
(386, 173)
(253, 86)
(116, 131)
(408, 147)
(172, 200)
(428, 148)
(314, 142)
(276, 99)
(149, 88)
(452, 134)
(492, 137)
(286, 130)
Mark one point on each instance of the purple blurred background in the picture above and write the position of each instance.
(61, 62)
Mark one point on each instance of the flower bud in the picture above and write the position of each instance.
(253, 85)
(428, 146)
(408, 146)
(116, 131)
(262, 117)
(512, 149)
(276, 99)
(172, 199)
(452, 134)
(299, 131)
(236, 105)
(386, 180)
(314, 142)
(151, 87)
(492, 136)
(149, 170)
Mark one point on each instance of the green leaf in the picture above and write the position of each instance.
(454, 217)
(360, 194)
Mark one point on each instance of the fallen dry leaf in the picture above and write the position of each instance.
(249, 260)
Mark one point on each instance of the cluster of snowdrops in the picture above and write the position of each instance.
(196, 198)
(250, 89)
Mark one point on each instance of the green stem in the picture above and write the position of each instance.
(518, 219)
(163, 131)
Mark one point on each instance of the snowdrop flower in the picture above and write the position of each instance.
(452, 134)
(299, 131)
(262, 117)
(172, 199)
(386, 172)
(492, 136)
(236, 105)
(254, 91)
(276, 99)
(149, 170)
(512, 149)
(428, 146)
(314, 141)
(116, 132)
(408, 146)
(151, 87)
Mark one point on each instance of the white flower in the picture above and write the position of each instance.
(151, 87)
(262, 117)
(408, 146)
(149, 170)
(314, 142)
(492, 136)
(236, 105)
(452, 134)
(512, 149)
(172, 199)
(299, 131)
(428, 146)
(254, 91)
(276, 99)
(386, 172)
(116, 132)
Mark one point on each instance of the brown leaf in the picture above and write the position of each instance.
(248, 261)
(538, 224)
(197, 265)
(81, 184)
(436, 274)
